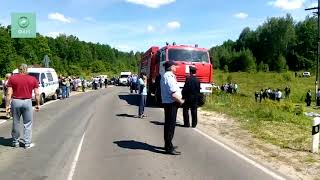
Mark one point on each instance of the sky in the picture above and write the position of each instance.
(139, 24)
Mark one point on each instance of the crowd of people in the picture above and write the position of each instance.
(229, 88)
(71, 83)
(308, 98)
(272, 94)
(133, 83)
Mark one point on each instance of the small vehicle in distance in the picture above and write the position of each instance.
(306, 74)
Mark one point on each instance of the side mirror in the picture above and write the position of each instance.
(211, 59)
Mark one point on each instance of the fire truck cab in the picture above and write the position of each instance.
(152, 63)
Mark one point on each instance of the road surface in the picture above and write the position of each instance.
(95, 136)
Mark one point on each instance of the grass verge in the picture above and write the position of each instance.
(280, 123)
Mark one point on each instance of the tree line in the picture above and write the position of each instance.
(68, 55)
(278, 44)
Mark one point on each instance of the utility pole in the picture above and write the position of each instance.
(318, 40)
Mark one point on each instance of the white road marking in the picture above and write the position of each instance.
(76, 158)
(49, 102)
(250, 161)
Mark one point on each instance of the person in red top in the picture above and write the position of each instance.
(20, 89)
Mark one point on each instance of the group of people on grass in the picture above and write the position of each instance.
(275, 94)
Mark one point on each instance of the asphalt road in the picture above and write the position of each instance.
(95, 136)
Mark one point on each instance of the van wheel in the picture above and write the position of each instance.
(42, 99)
(55, 96)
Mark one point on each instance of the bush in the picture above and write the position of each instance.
(287, 76)
(299, 109)
(280, 63)
(225, 68)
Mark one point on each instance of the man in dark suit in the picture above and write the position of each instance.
(190, 93)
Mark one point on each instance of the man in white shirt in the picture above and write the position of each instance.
(171, 99)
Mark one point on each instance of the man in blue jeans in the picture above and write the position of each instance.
(20, 89)
(142, 83)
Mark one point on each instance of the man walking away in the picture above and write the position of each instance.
(143, 94)
(190, 93)
(171, 99)
(20, 89)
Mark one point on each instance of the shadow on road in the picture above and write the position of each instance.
(127, 115)
(5, 141)
(135, 145)
(132, 99)
(162, 123)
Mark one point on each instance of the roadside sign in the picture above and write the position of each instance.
(23, 25)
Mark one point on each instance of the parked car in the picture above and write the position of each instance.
(48, 83)
(306, 74)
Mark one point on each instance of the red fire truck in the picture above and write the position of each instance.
(185, 56)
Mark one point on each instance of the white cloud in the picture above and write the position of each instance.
(287, 4)
(150, 28)
(241, 15)
(174, 25)
(151, 3)
(54, 34)
(59, 17)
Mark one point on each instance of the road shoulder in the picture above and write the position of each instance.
(295, 164)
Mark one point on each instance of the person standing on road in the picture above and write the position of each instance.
(190, 93)
(143, 94)
(171, 99)
(106, 82)
(308, 98)
(64, 87)
(5, 92)
(68, 84)
(20, 88)
(318, 97)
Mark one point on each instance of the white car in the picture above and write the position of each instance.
(306, 74)
(123, 80)
(48, 82)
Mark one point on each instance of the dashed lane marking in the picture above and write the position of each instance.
(76, 158)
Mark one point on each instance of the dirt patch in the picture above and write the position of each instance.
(294, 164)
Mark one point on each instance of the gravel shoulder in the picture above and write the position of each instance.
(295, 164)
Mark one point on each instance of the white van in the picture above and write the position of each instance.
(48, 82)
(123, 80)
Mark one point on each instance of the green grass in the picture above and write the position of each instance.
(282, 124)
(1, 98)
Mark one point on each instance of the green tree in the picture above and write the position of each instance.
(280, 64)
